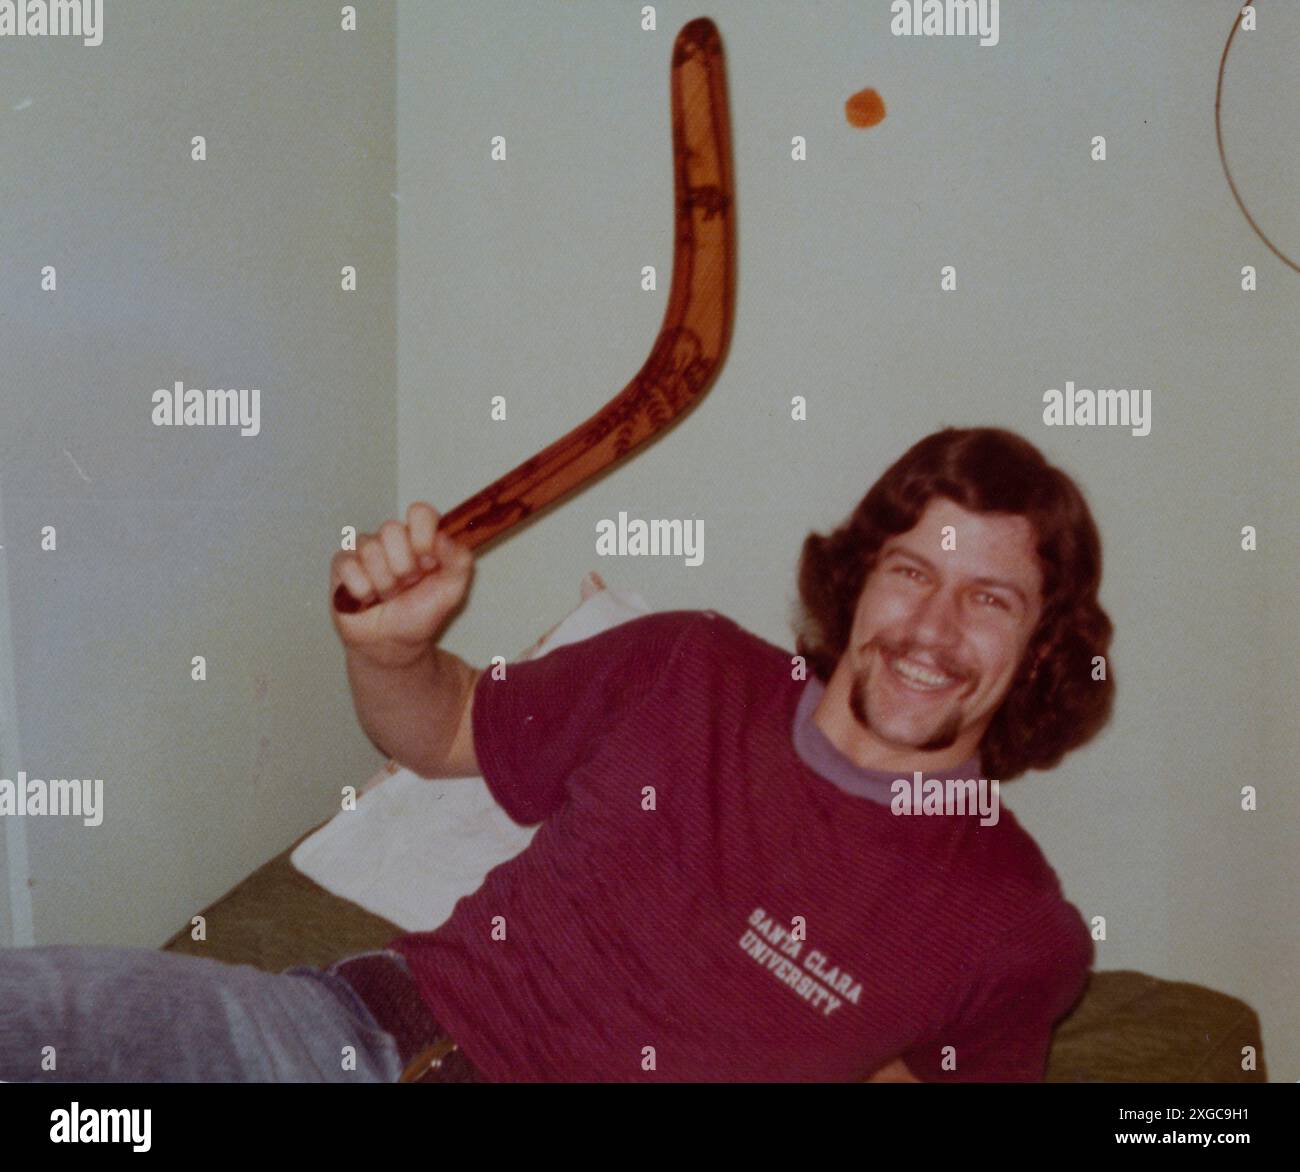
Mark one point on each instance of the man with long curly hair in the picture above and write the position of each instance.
(725, 885)
(952, 623)
(885, 597)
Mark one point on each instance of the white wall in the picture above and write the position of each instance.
(187, 541)
(522, 278)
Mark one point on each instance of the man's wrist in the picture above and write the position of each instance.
(395, 657)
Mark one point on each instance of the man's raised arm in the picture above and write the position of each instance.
(413, 699)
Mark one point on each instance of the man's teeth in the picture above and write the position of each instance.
(917, 674)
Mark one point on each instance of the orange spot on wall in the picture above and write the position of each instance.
(865, 108)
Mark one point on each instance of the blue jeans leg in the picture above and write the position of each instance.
(71, 1014)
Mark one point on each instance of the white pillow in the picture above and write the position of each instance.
(413, 847)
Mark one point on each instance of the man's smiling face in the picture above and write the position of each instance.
(938, 635)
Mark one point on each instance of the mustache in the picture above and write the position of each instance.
(906, 650)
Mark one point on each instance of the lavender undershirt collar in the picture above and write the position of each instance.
(817, 751)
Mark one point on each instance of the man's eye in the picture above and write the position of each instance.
(907, 570)
(993, 598)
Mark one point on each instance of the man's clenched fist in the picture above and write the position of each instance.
(419, 575)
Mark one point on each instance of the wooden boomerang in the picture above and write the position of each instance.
(696, 329)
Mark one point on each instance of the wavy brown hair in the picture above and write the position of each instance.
(1053, 705)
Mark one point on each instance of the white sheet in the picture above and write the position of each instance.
(413, 847)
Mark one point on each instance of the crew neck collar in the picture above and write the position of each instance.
(821, 755)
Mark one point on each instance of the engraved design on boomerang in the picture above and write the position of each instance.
(692, 342)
